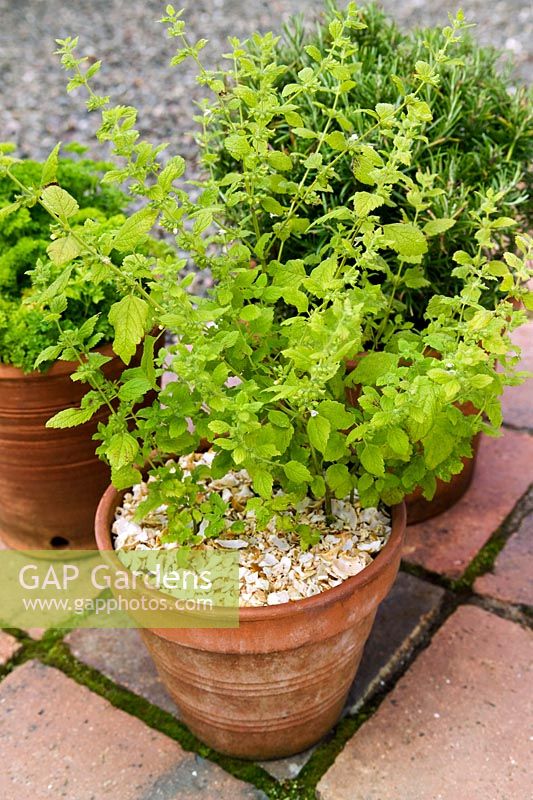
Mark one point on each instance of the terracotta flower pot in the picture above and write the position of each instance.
(446, 493)
(276, 684)
(50, 480)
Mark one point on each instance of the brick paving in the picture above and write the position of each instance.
(9, 647)
(121, 657)
(447, 544)
(511, 580)
(457, 725)
(60, 740)
(518, 400)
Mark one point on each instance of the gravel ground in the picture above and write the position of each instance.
(36, 111)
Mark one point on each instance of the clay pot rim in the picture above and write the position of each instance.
(58, 368)
(112, 497)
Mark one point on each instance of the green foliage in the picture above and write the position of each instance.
(479, 136)
(260, 364)
(29, 260)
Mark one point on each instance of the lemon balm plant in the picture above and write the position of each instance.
(285, 327)
(259, 365)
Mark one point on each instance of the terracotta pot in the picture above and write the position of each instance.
(276, 684)
(446, 493)
(51, 480)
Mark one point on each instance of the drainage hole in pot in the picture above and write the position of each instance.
(58, 542)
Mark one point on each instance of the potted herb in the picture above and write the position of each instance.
(51, 480)
(299, 479)
(479, 137)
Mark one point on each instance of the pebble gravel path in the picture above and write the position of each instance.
(36, 112)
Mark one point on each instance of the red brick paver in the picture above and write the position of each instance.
(511, 580)
(8, 647)
(60, 740)
(518, 400)
(449, 542)
(457, 725)
(122, 657)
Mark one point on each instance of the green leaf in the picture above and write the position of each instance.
(295, 297)
(59, 202)
(57, 286)
(49, 172)
(279, 161)
(438, 444)
(414, 278)
(133, 230)
(527, 300)
(372, 460)
(399, 442)
(497, 268)
(313, 161)
(237, 146)
(273, 206)
(135, 388)
(336, 413)
(147, 360)
(9, 209)
(296, 472)
(481, 381)
(385, 111)
(436, 226)
(423, 69)
(364, 163)
(365, 202)
(279, 419)
(249, 313)
(406, 239)
(503, 222)
(121, 450)
(262, 482)
(336, 448)
(339, 480)
(49, 353)
(304, 133)
(372, 366)
(125, 477)
(61, 251)
(318, 430)
(336, 140)
(365, 482)
(318, 486)
(218, 426)
(129, 319)
(421, 110)
(70, 417)
(314, 52)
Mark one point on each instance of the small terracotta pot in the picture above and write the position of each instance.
(50, 480)
(446, 493)
(276, 684)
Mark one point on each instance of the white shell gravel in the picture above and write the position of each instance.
(273, 568)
